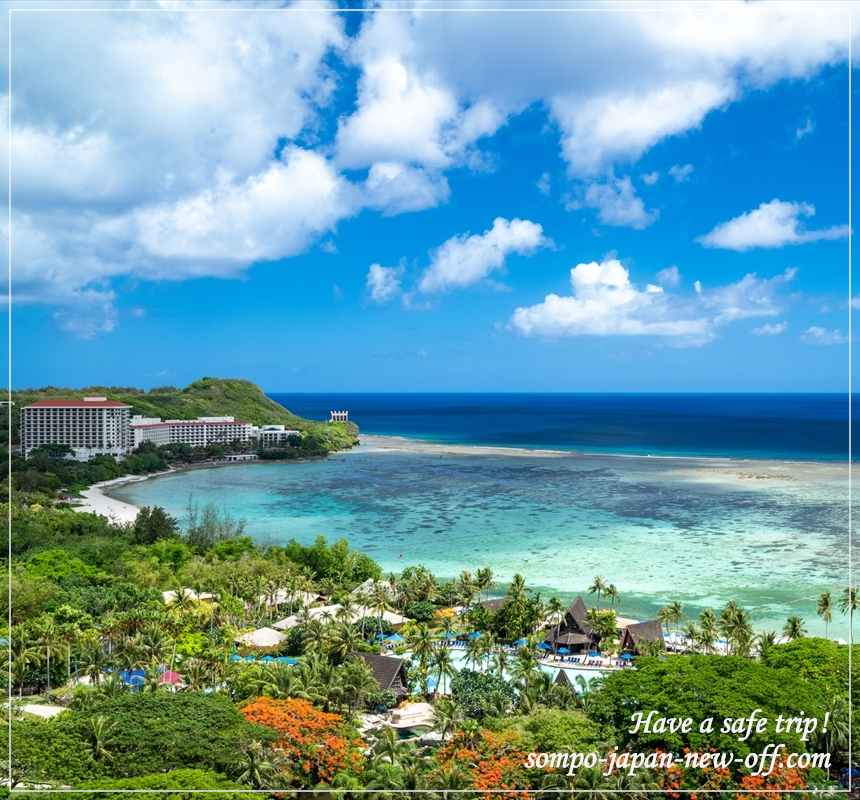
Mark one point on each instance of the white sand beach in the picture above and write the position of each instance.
(400, 444)
(95, 501)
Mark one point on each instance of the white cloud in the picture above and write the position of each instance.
(544, 183)
(618, 204)
(772, 224)
(604, 302)
(855, 302)
(681, 172)
(818, 335)
(667, 73)
(383, 283)
(273, 215)
(650, 178)
(771, 329)
(394, 188)
(464, 260)
(669, 277)
(804, 130)
(329, 247)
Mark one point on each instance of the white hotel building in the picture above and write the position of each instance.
(198, 432)
(89, 426)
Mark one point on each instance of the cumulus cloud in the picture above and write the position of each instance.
(751, 296)
(383, 283)
(680, 173)
(605, 302)
(771, 329)
(618, 204)
(822, 336)
(668, 72)
(394, 188)
(774, 224)
(464, 260)
(650, 178)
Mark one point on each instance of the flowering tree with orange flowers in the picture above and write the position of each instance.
(491, 760)
(318, 746)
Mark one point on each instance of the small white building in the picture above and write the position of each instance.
(275, 435)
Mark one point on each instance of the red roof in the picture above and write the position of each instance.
(77, 404)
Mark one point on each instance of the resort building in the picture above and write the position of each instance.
(199, 432)
(275, 435)
(89, 426)
(389, 672)
(574, 631)
(633, 636)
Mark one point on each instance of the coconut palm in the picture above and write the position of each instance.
(442, 664)
(765, 641)
(258, 766)
(848, 600)
(483, 580)
(380, 602)
(466, 587)
(598, 587)
(825, 611)
(671, 614)
(794, 628)
(709, 628)
(612, 595)
(50, 641)
(446, 716)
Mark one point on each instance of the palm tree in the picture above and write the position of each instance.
(100, 731)
(671, 614)
(709, 628)
(446, 716)
(825, 611)
(848, 600)
(612, 595)
(51, 642)
(556, 615)
(379, 602)
(466, 587)
(475, 652)
(443, 664)
(483, 580)
(258, 766)
(765, 641)
(794, 628)
(598, 587)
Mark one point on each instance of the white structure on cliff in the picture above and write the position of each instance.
(89, 426)
(339, 416)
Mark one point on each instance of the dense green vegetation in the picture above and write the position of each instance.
(159, 693)
(205, 397)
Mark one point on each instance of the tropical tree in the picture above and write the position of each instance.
(598, 587)
(848, 600)
(794, 628)
(612, 595)
(446, 716)
(442, 664)
(825, 611)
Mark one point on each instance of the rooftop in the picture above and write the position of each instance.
(85, 402)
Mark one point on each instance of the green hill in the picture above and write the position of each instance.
(206, 397)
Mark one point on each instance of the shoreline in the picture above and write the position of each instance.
(406, 444)
(97, 499)
(99, 502)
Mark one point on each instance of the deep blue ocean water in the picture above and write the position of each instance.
(780, 426)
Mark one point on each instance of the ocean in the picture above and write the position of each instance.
(700, 499)
(784, 426)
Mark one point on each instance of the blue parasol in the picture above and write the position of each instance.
(521, 642)
(627, 656)
(544, 646)
(475, 635)
(563, 650)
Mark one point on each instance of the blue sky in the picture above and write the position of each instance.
(366, 204)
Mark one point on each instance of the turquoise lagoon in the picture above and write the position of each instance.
(770, 534)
